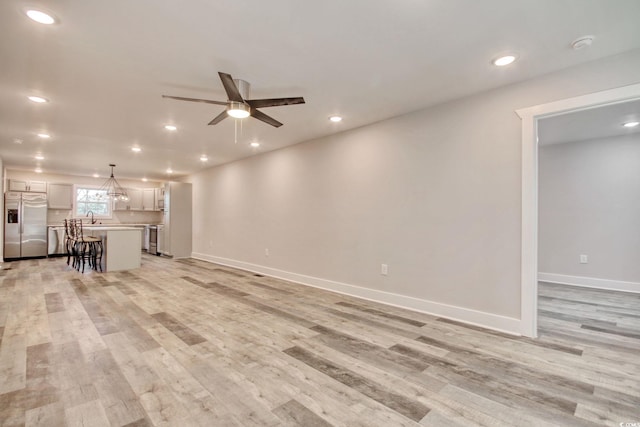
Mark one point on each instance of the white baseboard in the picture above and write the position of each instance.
(590, 282)
(478, 318)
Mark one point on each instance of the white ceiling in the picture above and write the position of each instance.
(106, 63)
(601, 122)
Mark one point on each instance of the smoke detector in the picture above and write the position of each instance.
(582, 42)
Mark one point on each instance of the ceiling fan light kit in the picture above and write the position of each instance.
(237, 104)
(238, 110)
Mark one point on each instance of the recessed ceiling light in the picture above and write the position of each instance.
(44, 135)
(169, 170)
(335, 119)
(631, 124)
(39, 157)
(144, 180)
(504, 60)
(40, 16)
(136, 149)
(170, 127)
(255, 144)
(38, 99)
(37, 170)
(204, 158)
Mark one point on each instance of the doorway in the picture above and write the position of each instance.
(529, 254)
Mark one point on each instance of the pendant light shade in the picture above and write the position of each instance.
(112, 187)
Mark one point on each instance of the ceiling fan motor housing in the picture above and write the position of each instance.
(240, 110)
(243, 87)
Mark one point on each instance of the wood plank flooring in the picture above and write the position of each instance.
(188, 343)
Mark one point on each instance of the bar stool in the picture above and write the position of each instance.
(71, 242)
(68, 243)
(85, 249)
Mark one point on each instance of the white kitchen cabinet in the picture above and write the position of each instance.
(60, 196)
(148, 199)
(140, 199)
(38, 186)
(135, 199)
(17, 185)
(159, 199)
(121, 205)
(33, 186)
(176, 239)
(133, 204)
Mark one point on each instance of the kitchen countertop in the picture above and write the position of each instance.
(85, 225)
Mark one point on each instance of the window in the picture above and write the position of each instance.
(91, 199)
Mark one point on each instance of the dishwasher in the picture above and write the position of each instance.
(56, 241)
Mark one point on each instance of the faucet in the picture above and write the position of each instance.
(93, 221)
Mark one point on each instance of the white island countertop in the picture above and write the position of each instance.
(109, 227)
(121, 246)
(86, 224)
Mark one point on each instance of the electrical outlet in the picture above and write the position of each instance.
(384, 269)
(584, 259)
(266, 251)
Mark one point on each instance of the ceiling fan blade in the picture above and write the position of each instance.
(263, 117)
(206, 101)
(219, 118)
(230, 87)
(274, 102)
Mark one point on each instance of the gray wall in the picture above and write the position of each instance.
(589, 203)
(435, 194)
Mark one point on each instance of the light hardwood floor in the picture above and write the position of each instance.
(188, 343)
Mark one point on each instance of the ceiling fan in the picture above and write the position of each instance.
(238, 105)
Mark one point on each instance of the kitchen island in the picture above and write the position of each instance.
(121, 246)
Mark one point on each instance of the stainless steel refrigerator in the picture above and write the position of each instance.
(25, 225)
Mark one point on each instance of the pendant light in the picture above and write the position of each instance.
(113, 189)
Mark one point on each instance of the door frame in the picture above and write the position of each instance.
(529, 254)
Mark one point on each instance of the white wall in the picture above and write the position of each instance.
(435, 194)
(589, 203)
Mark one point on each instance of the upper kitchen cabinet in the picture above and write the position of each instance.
(148, 199)
(140, 199)
(33, 186)
(60, 196)
(134, 203)
(159, 199)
